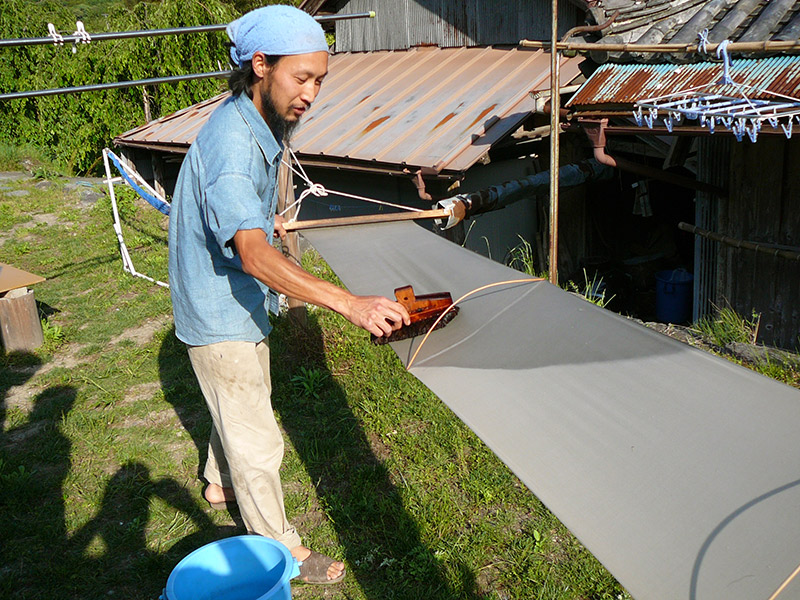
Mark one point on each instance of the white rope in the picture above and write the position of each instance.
(319, 190)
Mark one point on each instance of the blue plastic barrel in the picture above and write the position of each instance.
(674, 296)
(245, 567)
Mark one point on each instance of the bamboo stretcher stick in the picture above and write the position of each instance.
(766, 46)
(770, 249)
(438, 213)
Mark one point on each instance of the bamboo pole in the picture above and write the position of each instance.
(770, 249)
(555, 130)
(439, 213)
(710, 48)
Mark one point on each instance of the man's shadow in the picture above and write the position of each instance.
(47, 550)
(34, 462)
(120, 557)
(381, 540)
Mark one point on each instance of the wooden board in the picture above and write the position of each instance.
(12, 278)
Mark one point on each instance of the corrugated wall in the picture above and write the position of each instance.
(763, 207)
(400, 24)
(713, 168)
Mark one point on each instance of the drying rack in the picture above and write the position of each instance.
(743, 109)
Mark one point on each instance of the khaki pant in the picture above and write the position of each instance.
(246, 446)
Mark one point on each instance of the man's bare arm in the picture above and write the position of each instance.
(376, 314)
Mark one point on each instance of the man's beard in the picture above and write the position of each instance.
(281, 128)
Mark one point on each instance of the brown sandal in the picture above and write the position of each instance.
(314, 570)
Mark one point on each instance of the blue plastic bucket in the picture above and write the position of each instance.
(245, 567)
(674, 296)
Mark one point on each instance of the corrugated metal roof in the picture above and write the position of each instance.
(614, 84)
(173, 133)
(680, 21)
(439, 109)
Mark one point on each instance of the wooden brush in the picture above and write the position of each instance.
(424, 310)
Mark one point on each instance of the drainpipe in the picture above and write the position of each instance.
(595, 131)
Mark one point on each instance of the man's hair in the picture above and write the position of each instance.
(243, 76)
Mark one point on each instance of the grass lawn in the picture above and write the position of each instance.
(104, 432)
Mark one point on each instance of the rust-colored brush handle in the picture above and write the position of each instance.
(424, 306)
(423, 310)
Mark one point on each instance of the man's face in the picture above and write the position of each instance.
(288, 88)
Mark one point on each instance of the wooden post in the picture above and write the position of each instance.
(156, 162)
(146, 103)
(291, 247)
(555, 130)
(20, 327)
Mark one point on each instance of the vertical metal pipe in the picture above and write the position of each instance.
(555, 130)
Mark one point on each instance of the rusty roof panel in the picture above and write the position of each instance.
(177, 129)
(614, 84)
(435, 108)
(423, 108)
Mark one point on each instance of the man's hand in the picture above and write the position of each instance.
(279, 229)
(378, 315)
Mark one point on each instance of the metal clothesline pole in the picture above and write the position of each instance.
(120, 35)
(136, 34)
(110, 86)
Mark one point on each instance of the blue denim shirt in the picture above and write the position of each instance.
(228, 182)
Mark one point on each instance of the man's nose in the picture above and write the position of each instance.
(309, 91)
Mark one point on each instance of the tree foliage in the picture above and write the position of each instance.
(75, 127)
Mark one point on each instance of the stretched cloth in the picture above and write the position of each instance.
(677, 469)
(155, 202)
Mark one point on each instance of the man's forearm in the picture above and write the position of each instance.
(376, 314)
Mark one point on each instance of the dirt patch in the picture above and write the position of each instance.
(141, 392)
(143, 333)
(22, 396)
(159, 418)
(48, 219)
(21, 434)
(379, 449)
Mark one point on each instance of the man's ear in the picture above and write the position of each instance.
(260, 65)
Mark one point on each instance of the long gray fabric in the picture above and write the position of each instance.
(678, 470)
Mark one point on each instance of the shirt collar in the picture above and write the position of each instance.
(261, 131)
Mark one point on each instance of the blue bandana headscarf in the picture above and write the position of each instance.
(276, 30)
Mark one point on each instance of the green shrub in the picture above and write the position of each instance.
(74, 128)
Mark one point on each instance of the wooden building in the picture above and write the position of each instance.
(435, 97)
(757, 198)
(427, 99)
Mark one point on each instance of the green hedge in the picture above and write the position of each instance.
(74, 128)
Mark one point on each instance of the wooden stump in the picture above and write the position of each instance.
(20, 327)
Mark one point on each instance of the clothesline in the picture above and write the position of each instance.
(318, 190)
(80, 37)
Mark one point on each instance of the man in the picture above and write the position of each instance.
(225, 274)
